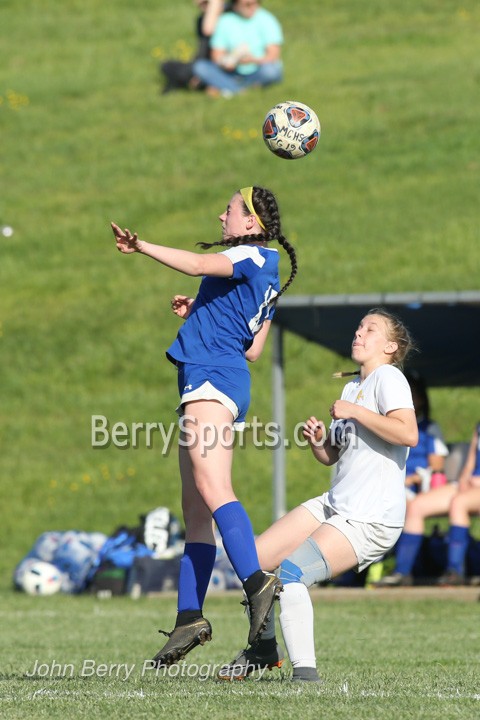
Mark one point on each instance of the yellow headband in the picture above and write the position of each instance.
(247, 195)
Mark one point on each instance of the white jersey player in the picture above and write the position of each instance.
(361, 517)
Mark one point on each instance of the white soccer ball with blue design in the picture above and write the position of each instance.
(291, 130)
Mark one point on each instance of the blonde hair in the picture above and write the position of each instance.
(397, 332)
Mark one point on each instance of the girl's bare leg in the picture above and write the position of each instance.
(429, 504)
(209, 423)
(463, 505)
(209, 438)
(285, 536)
(197, 516)
(336, 549)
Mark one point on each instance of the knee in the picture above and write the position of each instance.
(416, 509)
(271, 73)
(214, 490)
(204, 484)
(306, 565)
(457, 504)
(201, 66)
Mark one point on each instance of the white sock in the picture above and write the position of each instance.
(296, 620)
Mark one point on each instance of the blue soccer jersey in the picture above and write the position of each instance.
(227, 312)
(430, 442)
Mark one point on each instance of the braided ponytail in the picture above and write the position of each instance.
(293, 262)
(267, 208)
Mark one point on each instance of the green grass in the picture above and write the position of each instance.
(388, 201)
(378, 657)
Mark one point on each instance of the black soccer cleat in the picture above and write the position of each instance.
(451, 579)
(260, 604)
(247, 661)
(181, 640)
(305, 674)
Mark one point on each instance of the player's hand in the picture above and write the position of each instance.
(314, 430)
(181, 305)
(126, 242)
(342, 410)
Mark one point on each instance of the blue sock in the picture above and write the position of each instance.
(238, 539)
(457, 548)
(406, 553)
(196, 568)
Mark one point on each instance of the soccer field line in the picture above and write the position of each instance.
(277, 688)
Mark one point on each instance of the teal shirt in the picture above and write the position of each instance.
(259, 31)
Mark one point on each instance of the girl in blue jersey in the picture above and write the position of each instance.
(466, 502)
(226, 325)
(426, 461)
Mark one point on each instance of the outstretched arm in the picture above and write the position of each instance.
(184, 261)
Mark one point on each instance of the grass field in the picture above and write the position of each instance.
(380, 655)
(388, 201)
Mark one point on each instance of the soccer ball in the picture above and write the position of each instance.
(291, 130)
(41, 578)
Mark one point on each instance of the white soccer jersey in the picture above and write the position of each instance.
(369, 482)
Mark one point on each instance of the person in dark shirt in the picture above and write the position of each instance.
(179, 75)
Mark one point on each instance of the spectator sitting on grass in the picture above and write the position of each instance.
(179, 75)
(246, 51)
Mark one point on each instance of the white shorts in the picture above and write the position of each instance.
(370, 541)
(208, 392)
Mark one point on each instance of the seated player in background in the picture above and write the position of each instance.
(458, 500)
(426, 461)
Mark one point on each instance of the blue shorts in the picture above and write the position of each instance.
(229, 386)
